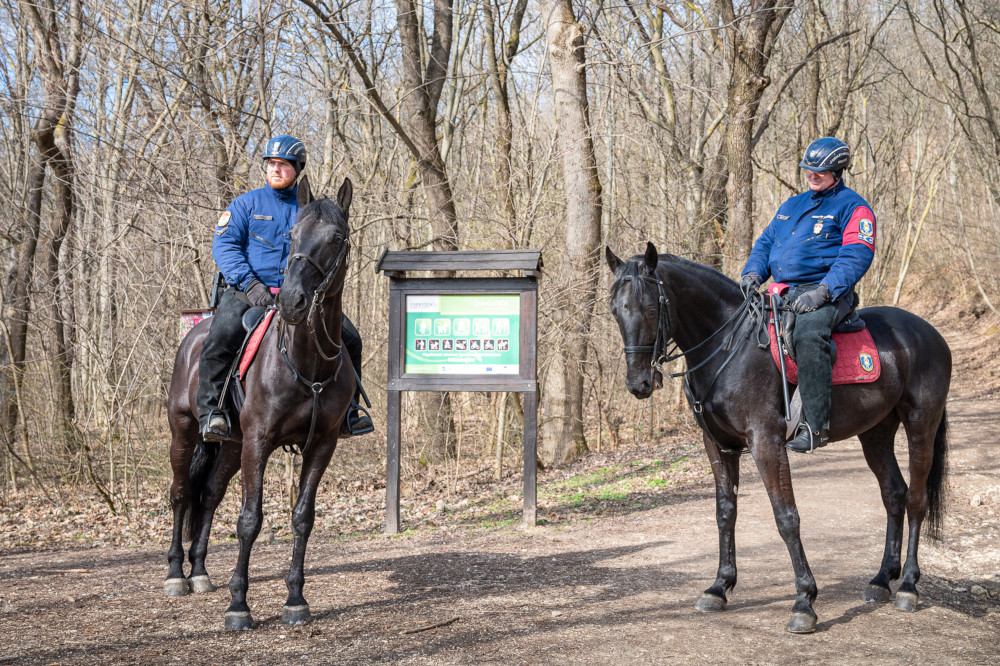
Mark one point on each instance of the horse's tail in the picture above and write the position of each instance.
(202, 462)
(935, 480)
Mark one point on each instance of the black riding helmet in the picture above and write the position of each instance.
(827, 154)
(287, 148)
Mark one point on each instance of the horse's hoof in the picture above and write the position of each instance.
(201, 585)
(801, 623)
(907, 601)
(296, 614)
(238, 621)
(711, 603)
(876, 594)
(176, 587)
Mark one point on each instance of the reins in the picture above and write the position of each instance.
(751, 307)
(316, 307)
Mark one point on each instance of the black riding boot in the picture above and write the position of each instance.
(812, 337)
(358, 421)
(217, 354)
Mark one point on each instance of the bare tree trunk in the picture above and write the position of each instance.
(749, 39)
(562, 436)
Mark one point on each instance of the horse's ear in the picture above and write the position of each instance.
(345, 194)
(651, 257)
(613, 261)
(305, 195)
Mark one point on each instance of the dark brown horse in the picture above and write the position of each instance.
(297, 393)
(734, 388)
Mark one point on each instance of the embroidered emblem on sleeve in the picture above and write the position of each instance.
(866, 230)
(223, 223)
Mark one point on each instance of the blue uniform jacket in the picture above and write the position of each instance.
(252, 236)
(817, 237)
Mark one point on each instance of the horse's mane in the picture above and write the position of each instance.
(628, 272)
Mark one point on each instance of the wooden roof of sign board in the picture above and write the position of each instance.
(469, 260)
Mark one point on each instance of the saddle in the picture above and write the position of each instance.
(855, 355)
(256, 321)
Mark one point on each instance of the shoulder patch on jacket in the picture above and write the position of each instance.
(224, 219)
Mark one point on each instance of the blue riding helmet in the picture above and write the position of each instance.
(826, 154)
(287, 148)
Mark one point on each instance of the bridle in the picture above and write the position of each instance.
(319, 297)
(752, 307)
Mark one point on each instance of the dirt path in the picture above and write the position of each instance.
(616, 590)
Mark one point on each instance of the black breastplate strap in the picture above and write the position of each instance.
(315, 387)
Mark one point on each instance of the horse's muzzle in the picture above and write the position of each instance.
(293, 305)
(644, 387)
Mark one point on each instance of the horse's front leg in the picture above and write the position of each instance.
(247, 528)
(315, 462)
(772, 462)
(726, 469)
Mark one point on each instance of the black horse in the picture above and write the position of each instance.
(734, 388)
(297, 393)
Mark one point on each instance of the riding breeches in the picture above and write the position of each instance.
(223, 343)
(812, 338)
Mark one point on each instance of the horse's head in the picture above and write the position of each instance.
(636, 306)
(317, 259)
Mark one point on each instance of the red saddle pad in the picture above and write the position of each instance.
(254, 343)
(857, 358)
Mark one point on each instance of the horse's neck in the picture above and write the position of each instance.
(697, 313)
(301, 339)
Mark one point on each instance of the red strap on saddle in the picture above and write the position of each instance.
(778, 288)
(254, 342)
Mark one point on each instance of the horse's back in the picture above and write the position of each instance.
(911, 344)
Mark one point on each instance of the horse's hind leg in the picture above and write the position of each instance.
(726, 469)
(215, 480)
(926, 436)
(296, 609)
(181, 451)
(877, 445)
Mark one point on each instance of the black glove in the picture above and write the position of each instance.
(258, 293)
(810, 300)
(749, 283)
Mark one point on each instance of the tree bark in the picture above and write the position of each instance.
(562, 436)
(749, 39)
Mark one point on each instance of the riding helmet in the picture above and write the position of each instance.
(287, 148)
(827, 154)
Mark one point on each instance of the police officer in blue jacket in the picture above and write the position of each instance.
(820, 243)
(251, 249)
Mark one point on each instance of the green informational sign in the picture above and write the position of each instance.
(463, 334)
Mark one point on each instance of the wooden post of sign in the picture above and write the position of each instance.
(428, 378)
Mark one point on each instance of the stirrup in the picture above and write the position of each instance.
(356, 414)
(210, 434)
(807, 441)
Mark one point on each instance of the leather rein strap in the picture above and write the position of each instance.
(751, 307)
(319, 296)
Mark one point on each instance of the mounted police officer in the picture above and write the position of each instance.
(251, 248)
(820, 243)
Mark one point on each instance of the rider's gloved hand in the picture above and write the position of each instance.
(750, 283)
(258, 293)
(812, 299)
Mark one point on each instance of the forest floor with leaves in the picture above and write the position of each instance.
(626, 542)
